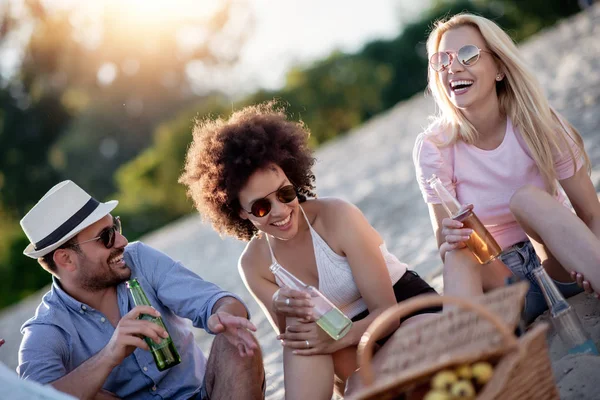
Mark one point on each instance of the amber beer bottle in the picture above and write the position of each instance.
(165, 353)
(481, 243)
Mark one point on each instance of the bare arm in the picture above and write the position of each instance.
(277, 303)
(449, 233)
(436, 215)
(85, 381)
(260, 287)
(230, 318)
(360, 243)
(230, 305)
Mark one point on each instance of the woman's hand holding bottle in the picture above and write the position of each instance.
(293, 303)
(454, 234)
(307, 339)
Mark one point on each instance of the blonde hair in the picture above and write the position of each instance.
(520, 96)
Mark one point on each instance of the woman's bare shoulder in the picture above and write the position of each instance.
(327, 209)
(256, 258)
(332, 215)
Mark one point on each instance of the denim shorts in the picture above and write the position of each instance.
(522, 260)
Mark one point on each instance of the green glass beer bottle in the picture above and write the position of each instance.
(165, 353)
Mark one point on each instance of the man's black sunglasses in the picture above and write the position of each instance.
(107, 236)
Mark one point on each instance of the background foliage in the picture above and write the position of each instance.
(116, 116)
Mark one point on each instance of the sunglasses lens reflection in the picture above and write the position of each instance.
(261, 207)
(468, 55)
(439, 61)
(286, 194)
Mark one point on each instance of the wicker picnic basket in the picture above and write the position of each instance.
(480, 329)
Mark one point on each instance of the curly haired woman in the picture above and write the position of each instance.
(497, 144)
(251, 176)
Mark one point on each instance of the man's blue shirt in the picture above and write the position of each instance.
(64, 332)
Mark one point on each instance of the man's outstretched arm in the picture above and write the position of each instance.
(230, 318)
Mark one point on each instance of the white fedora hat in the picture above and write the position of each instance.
(62, 213)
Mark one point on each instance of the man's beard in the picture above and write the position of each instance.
(94, 282)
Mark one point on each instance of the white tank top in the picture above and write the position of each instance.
(335, 276)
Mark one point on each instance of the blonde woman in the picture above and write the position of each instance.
(497, 144)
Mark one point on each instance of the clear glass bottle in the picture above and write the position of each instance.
(329, 318)
(481, 243)
(165, 353)
(564, 318)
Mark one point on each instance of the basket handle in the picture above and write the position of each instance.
(367, 341)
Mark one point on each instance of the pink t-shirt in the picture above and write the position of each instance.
(486, 178)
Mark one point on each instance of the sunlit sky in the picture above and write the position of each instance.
(284, 33)
(288, 32)
(291, 32)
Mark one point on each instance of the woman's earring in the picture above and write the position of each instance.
(499, 76)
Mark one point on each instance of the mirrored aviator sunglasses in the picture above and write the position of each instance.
(262, 207)
(467, 55)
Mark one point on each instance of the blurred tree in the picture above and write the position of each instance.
(139, 69)
(116, 74)
(521, 18)
(82, 86)
(332, 95)
(31, 119)
(149, 194)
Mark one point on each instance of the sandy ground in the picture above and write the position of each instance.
(372, 167)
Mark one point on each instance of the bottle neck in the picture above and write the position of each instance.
(556, 302)
(449, 202)
(286, 277)
(139, 297)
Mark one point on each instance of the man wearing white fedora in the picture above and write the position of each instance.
(85, 338)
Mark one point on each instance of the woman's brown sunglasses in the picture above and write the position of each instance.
(262, 207)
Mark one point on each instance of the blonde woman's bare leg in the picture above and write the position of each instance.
(465, 277)
(572, 245)
(550, 263)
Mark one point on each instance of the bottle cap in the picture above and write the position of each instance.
(432, 178)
